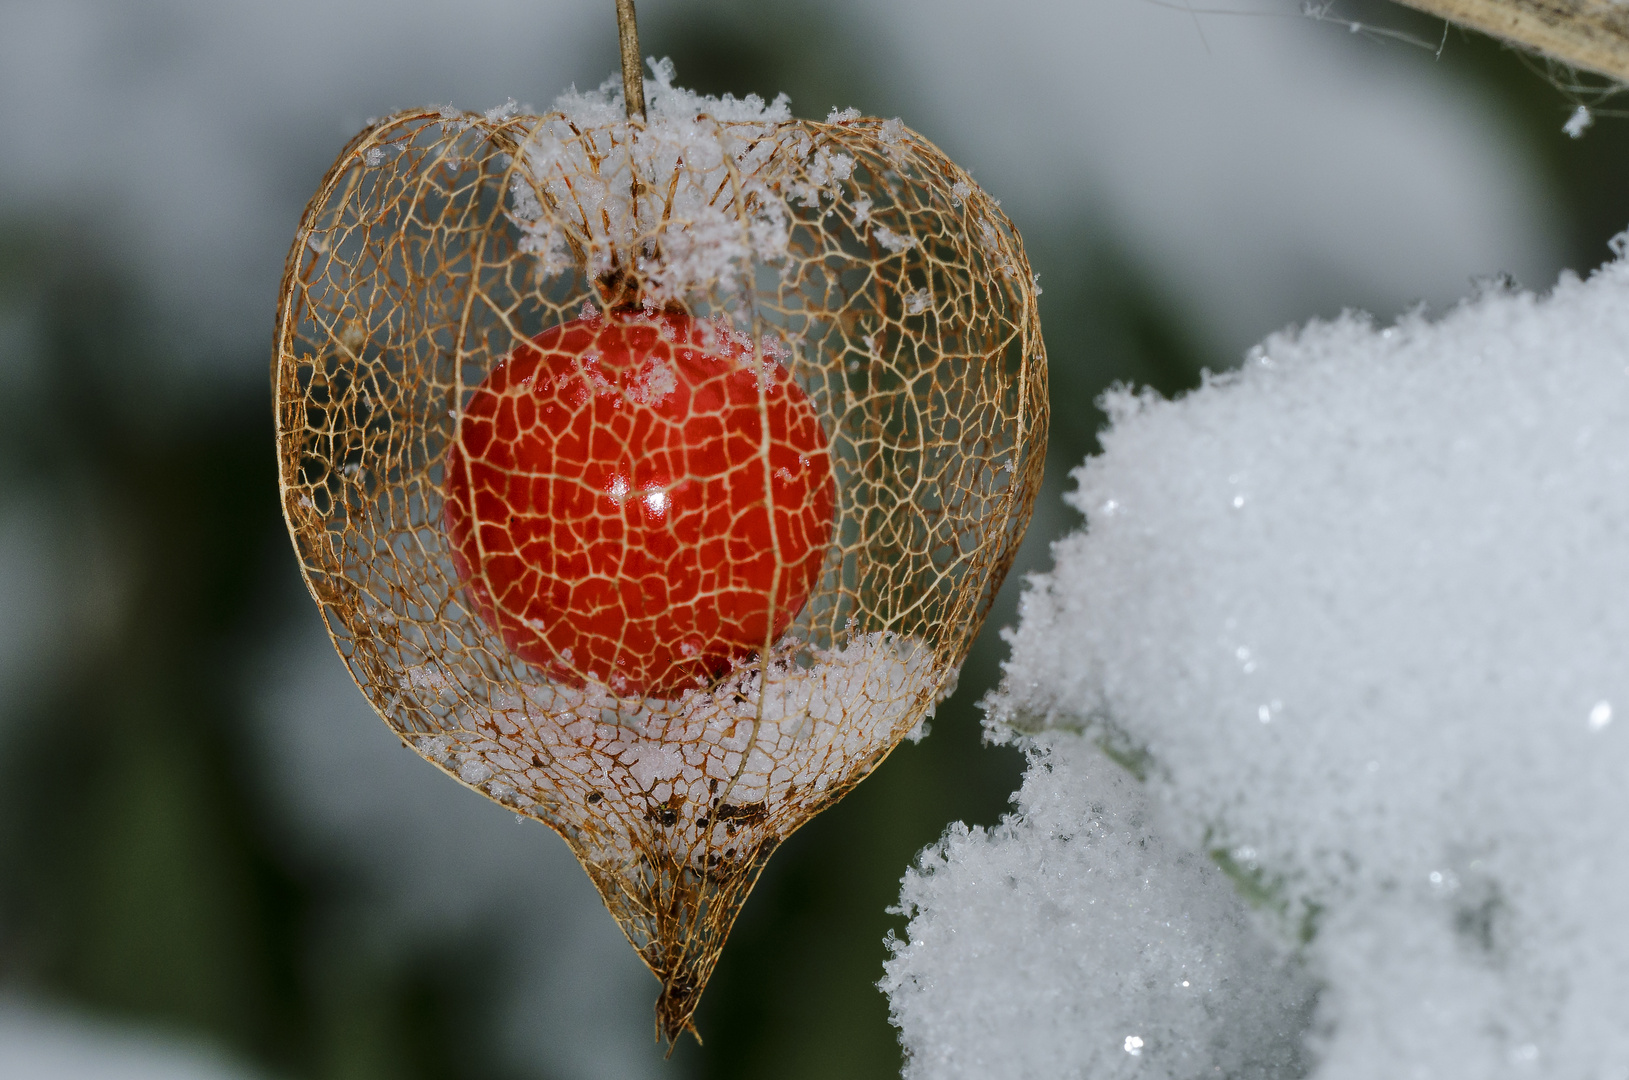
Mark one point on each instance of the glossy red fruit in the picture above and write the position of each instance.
(638, 499)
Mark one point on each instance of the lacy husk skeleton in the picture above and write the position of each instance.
(853, 254)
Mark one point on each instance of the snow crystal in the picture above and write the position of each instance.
(1355, 613)
(891, 240)
(428, 677)
(842, 116)
(472, 770)
(433, 747)
(653, 762)
(654, 384)
(828, 168)
(1578, 122)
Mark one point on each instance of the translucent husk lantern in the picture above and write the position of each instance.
(844, 272)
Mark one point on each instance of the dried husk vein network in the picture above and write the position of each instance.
(852, 253)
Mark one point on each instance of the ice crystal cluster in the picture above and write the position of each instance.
(1330, 768)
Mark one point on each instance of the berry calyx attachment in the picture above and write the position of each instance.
(638, 499)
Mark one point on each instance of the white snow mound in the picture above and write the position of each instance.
(1359, 613)
(1073, 940)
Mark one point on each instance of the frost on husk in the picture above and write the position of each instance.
(850, 252)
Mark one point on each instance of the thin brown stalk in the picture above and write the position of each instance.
(633, 77)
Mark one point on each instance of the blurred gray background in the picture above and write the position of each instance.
(214, 861)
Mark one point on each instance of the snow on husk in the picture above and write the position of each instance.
(1359, 613)
(584, 157)
(767, 733)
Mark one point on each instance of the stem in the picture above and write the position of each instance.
(633, 78)
(1584, 33)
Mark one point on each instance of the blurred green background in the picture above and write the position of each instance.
(148, 873)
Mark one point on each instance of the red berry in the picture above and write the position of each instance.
(615, 512)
